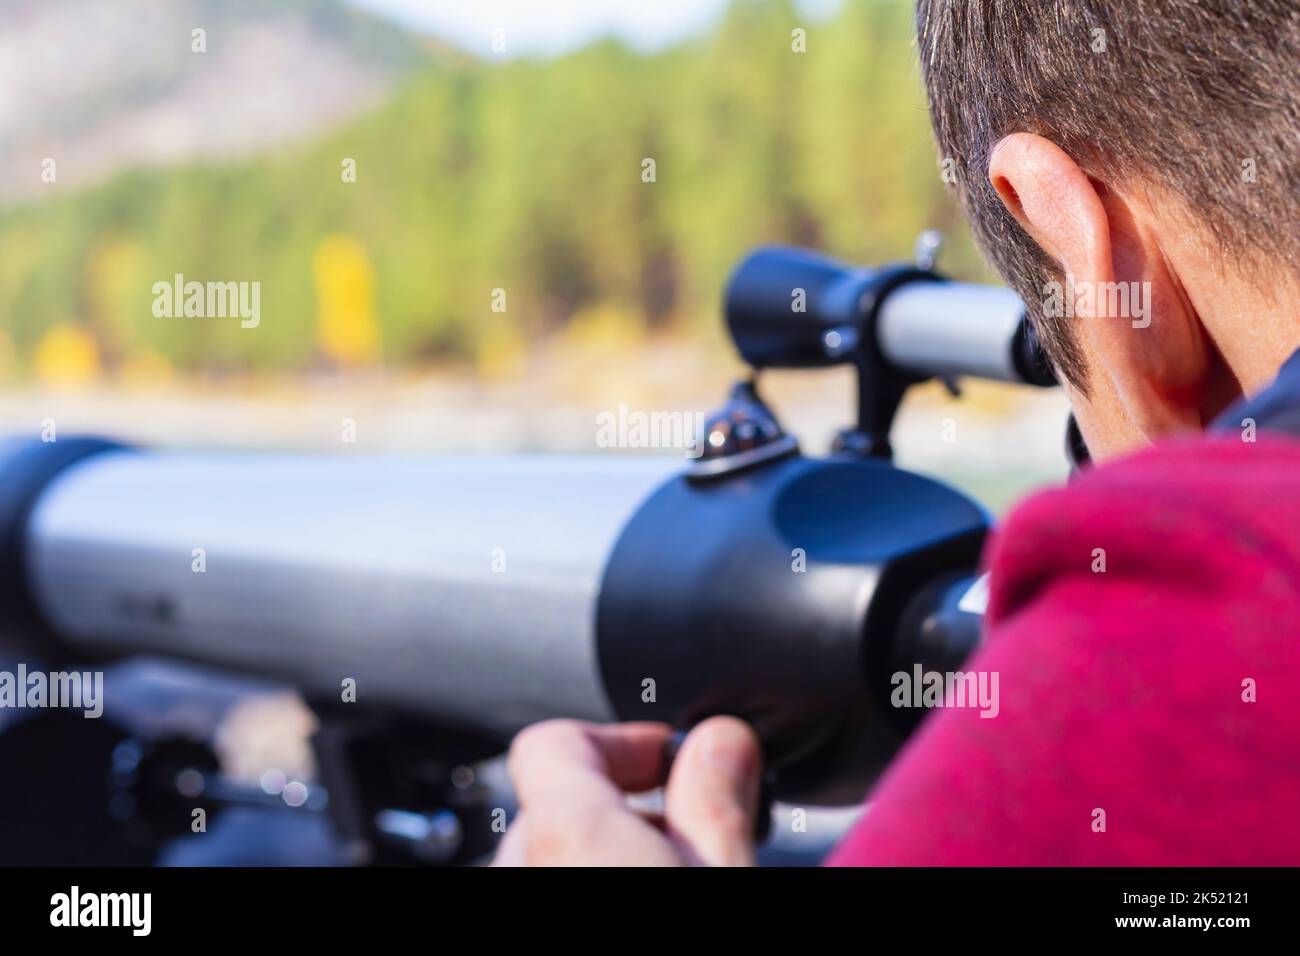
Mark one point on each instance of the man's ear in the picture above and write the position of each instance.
(1150, 363)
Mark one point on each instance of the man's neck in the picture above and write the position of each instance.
(1255, 330)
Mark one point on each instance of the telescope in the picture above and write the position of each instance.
(438, 604)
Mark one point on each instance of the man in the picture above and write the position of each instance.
(1131, 170)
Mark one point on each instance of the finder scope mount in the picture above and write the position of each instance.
(794, 308)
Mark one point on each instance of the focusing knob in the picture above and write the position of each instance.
(740, 434)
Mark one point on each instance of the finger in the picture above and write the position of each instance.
(634, 753)
(608, 837)
(513, 848)
(568, 762)
(571, 780)
(712, 795)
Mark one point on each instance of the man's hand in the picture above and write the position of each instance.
(572, 780)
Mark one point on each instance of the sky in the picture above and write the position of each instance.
(550, 27)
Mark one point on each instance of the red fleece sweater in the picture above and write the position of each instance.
(1126, 691)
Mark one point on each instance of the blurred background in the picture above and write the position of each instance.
(382, 167)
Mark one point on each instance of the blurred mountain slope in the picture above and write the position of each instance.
(101, 85)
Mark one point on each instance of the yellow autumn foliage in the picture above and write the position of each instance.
(595, 345)
(66, 355)
(605, 328)
(116, 272)
(6, 355)
(145, 368)
(500, 350)
(347, 329)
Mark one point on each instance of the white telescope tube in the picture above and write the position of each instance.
(463, 589)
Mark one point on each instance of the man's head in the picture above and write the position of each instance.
(1132, 168)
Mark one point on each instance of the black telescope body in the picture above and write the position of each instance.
(478, 594)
